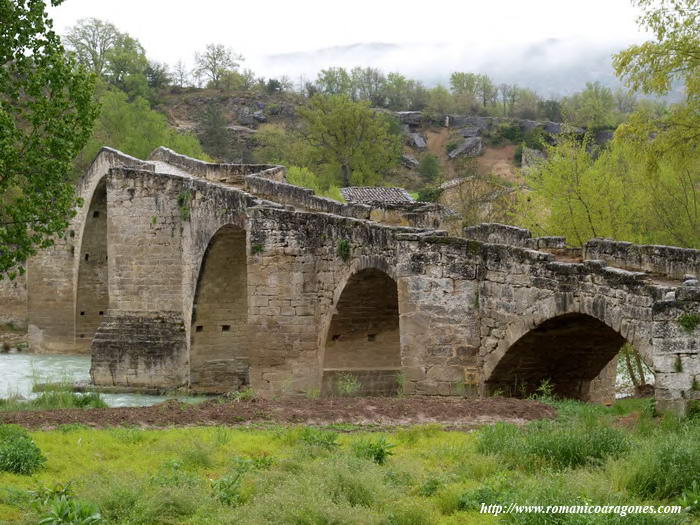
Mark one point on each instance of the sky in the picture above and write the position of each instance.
(553, 46)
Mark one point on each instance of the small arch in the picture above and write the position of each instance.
(575, 352)
(362, 342)
(219, 358)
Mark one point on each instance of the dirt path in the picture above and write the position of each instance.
(381, 411)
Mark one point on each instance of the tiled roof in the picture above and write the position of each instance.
(363, 194)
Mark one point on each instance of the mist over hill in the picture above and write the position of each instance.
(552, 67)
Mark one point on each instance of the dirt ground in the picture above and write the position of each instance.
(380, 411)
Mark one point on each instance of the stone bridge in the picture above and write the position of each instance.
(182, 273)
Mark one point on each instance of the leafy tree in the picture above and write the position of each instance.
(464, 84)
(369, 84)
(525, 103)
(440, 103)
(549, 109)
(46, 114)
(593, 107)
(485, 90)
(334, 81)
(91, 40)
(663, 143)
(349, 138)
(214, 135)
(575, 194)
(214, 62)
(158, 75)
(134, 128)
(397, 90)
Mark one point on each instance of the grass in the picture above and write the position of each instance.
(413, 476)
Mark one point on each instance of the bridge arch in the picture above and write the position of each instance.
(574, 349)
(92, 285)
(361, 337)
(219, 352)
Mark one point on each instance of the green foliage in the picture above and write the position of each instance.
(214, 136)
(665, 465)
(429, 167)
(429, 194)
(593, 107)
(343, 249)
(46, 114)
(349, 138)
(319, 438)
(257, 248)
(689, 322)
(183, 203)
(377, 450)
(18, 452)
(214, 63)
(305, 178)
(347, 384)
(677, 364)
(552, 444)
(134, 128)
(68, 511)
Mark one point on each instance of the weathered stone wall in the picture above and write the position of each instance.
(13, 297)
(233, 174)
(666, 260)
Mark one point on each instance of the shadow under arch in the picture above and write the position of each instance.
(219, 353)
(574, 351)
(362, 342)
(92, 288)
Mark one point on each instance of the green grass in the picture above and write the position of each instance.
(413, 476)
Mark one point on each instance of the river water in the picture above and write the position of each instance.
(20, 371)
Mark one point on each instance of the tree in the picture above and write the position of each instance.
(134, 128)
(334, 81)
(91, 40)
(485, 90)
(215, 61)
(46, 114)
(181, 74)
(349, 138)
(593, 107)
(158, 75)
(464, 84)
(214, 135)
(369, 84)
(440, 103)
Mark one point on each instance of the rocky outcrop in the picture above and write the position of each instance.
(417, 141)
(409, 161)
(471, 147)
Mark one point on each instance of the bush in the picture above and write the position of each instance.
(316, 437)
(429, 167)
(18, 453)
(348, 385)
(66, 511)
(378, 450)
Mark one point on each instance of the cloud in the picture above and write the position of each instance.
(552, 66)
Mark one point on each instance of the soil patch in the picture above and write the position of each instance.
(383, 411)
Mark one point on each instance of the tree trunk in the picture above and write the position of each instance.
(346, 175)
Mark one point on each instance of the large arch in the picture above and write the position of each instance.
(363, 341)
(575, 352)
(219, 355)
(92, 291)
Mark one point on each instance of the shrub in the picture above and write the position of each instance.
(344, 249)
(18, 453)
(348, 385)
(66, 511)
(316, 437)
(410, 512)
(377, 450)
(429, 167)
